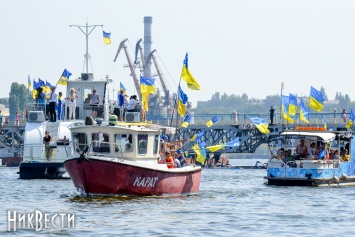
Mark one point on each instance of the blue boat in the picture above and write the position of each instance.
(312, 169)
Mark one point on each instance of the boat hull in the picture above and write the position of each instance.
(41, 170)
(103, 177)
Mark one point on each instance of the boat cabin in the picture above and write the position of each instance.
(129, 142)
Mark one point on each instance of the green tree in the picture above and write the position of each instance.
(322, 90)
(4, 101)
(18, 95)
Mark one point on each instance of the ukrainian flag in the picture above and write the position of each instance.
(187, 76)
(351, 119)
(107, 39)
(29, 82)
(122, 88)
(303, 112)
(197, 137)
(200, 152)
(63, 79)
(146, 86)
(212, 121)
(261, 124)
(292, 106)
(316, 100)
(40, 82)
(35, 85)
(186, 121)
(233, 143)
(284, 108)
(182, 100)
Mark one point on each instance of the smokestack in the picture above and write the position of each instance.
(148, 20)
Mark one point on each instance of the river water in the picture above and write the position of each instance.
(230, 202)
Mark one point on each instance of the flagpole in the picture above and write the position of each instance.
(282, 86)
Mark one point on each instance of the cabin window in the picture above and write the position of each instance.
(80, 141)
(100, 142)
(156, 142)
(142, 144)
(123, 143)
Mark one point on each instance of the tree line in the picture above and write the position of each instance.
(218, 104)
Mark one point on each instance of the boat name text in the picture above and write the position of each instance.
(145, 181)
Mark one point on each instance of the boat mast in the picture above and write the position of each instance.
(87, 33)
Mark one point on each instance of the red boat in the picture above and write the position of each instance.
(123, 159)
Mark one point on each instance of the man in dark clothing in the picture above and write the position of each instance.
(272, 111)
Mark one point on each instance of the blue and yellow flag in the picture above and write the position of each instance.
(212, 121)
(187, 76)
(292, 106)
(197, 137)
(107, 37)
(260, 124)
(35, 85)
(147, 87)
(200, 152)
(316, 100)
(233, 143)
(351, 119)
(122, 88)
(63, 79)
(41, 83)
(284, 109)
(303, 112)
(29, 82)
(182, 100)
(186, 121)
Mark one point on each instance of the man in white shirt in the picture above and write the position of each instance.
(53, 101)
(132, 104)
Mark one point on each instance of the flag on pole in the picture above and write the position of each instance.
(186, 121)
(351, 119)
(107, 37)
(29, 82)
(187, 76)
(122, 88)
(284, 107)
(261, 124)
(233, 143)
(212, 121)
(63, 79)
(197, 137)
(182, 100)
(316, 100)
(146, 86)
(303, 112)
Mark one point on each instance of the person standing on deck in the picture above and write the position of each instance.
(95, 100)
(53, 102)
(47, 139)
(59, 106)
(272, 111)
(121, 101)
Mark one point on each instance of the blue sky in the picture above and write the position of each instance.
(234, 46)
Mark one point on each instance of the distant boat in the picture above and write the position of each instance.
(327, 169)
(122, 159)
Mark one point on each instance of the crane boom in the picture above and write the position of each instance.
(161, 78)
(130, 64)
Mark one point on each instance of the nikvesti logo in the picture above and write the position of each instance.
(55, 223)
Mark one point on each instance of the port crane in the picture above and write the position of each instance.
(130, 64)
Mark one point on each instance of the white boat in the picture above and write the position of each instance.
(327, 170)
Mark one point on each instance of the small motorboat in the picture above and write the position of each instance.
(122, 158)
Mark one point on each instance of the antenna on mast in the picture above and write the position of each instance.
(87, 33)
